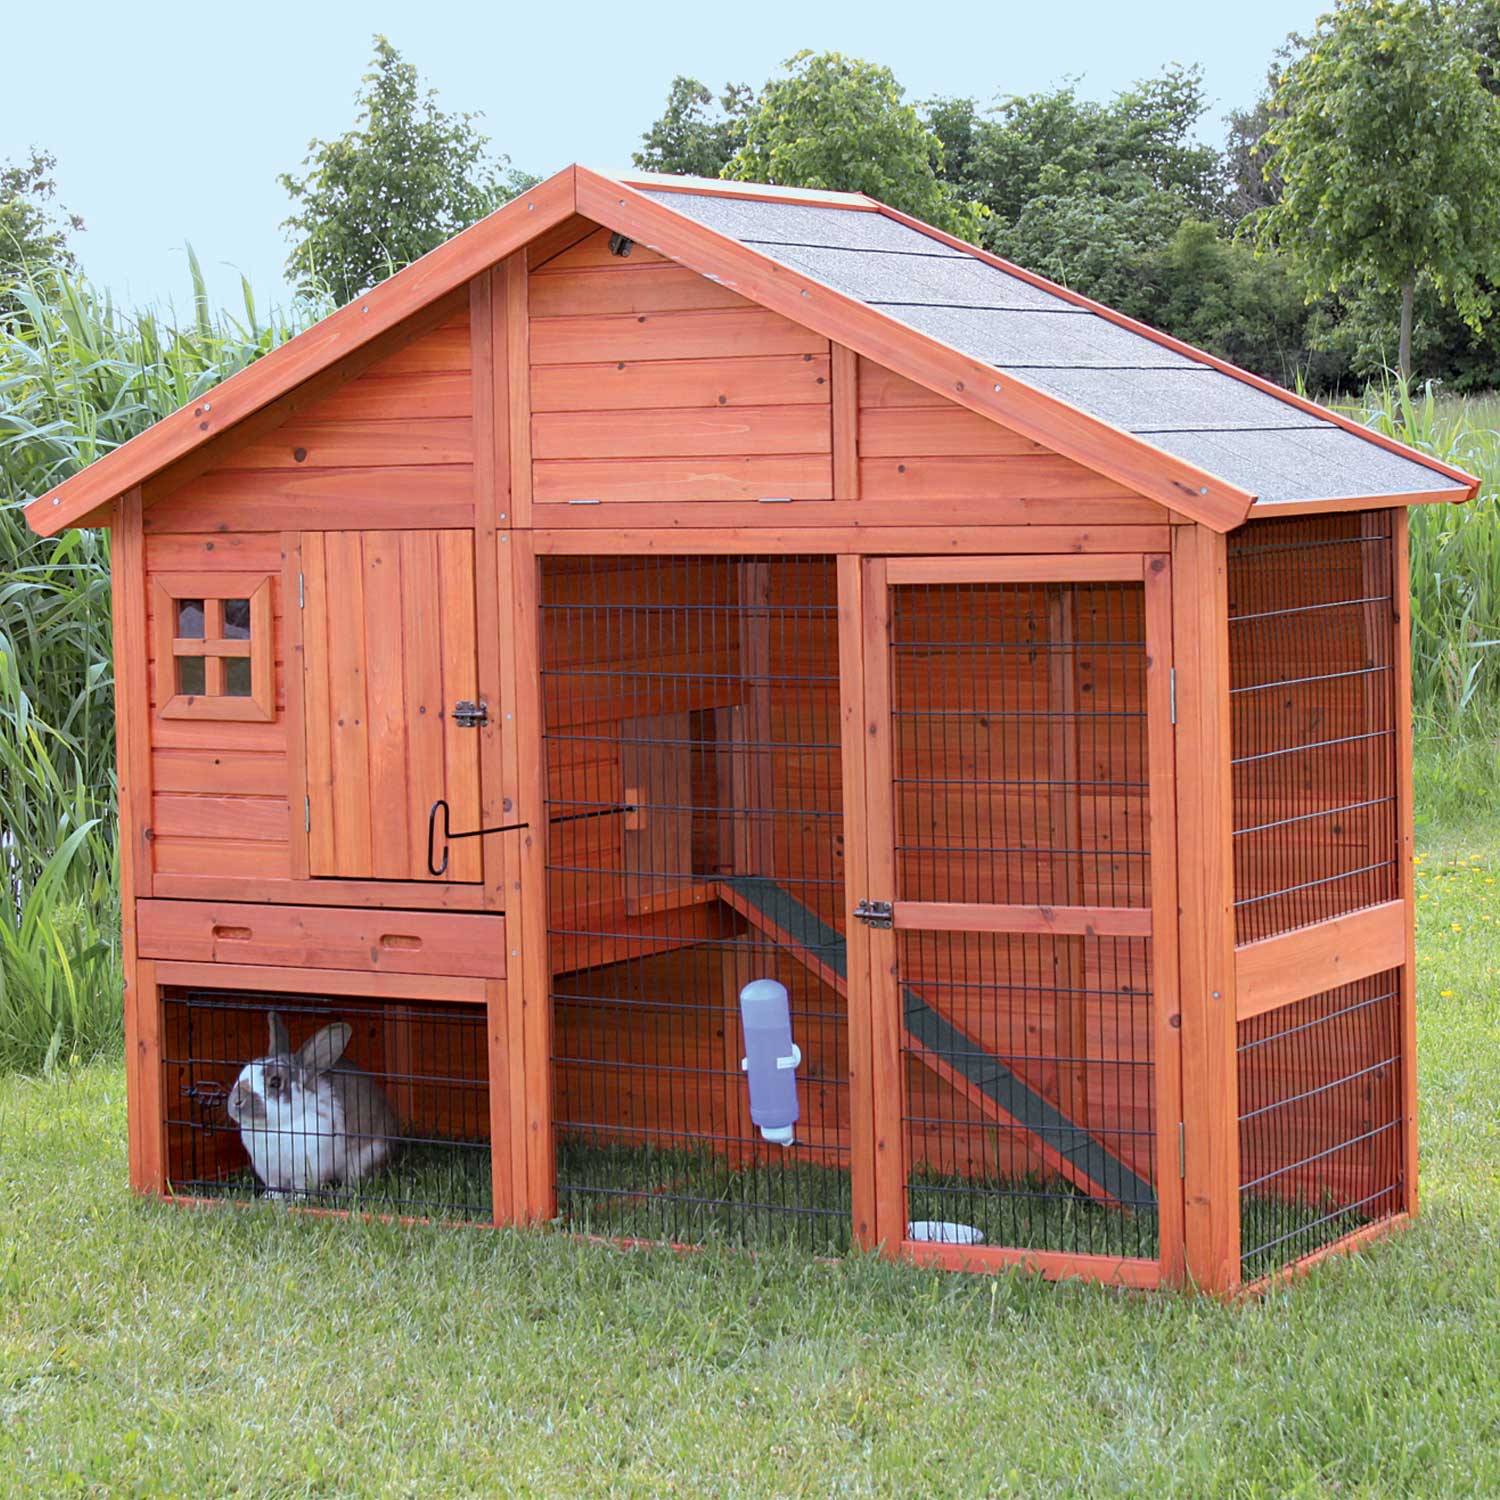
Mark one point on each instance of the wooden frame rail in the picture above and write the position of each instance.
(1281, 970)
(1077, 921)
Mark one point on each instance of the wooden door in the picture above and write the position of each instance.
(1021, 953)
(388, 650)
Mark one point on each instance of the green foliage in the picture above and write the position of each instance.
(697, 134)
(34, 228)
(840, 123)
(77, 378)
(1388, 153)
(406, 178)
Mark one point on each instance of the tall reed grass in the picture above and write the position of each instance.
(77, 377)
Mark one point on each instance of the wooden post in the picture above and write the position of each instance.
(1210, 1104)
(133, 761)
(877, 945)
(1065, 832)
(859, 992)
(1162, 776)
(1405, 846)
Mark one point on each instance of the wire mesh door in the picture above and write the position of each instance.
(1020, 1026)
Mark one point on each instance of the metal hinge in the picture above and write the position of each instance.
(1182, 1149)
(875, 913)
(1172, 682)
(468, 715)
(301, 591)
(307, 815)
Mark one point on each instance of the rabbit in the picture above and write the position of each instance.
(307, 1120)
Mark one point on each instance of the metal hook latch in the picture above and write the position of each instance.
(440, 808)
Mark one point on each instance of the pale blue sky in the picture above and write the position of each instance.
(170, 123)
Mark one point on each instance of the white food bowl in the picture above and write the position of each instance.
(941, 1232)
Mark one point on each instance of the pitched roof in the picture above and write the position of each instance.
(1168, 420)
(1278, 449)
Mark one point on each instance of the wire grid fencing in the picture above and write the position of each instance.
(1321, 1120)
(1312, 657)
(1020, 763)
(692, 745)
(339, 1104)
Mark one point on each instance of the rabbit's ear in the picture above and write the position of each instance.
(281, 1043)
(322, 1050)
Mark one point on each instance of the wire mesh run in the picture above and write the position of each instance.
(1020, 766)
(338, 1104)
(1311, 649)
(695, 844)
(1321, 1123)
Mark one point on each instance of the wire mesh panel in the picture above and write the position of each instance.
(1021, 788)
(1311, 647)
(1321, 1123)
(694, 845)
(338, 1103)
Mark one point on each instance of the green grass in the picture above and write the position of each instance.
(146, 1350)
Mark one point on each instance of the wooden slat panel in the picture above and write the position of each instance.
(426, 703)
(224, 858)
(876, 541)
(401, 942)
(633, 480)
(362, 444)
(348, 729)
(952, 430)
(643, 384)
(681, 433)
(379, 396)
(1090, 921)
(1100, 568)
(317, 706)
(627, 287)
(672, 335)
(233, 817)
(248, 500)
(220, 772)
(211, 552)
(388, 715)
(1045, 477)
(1280, 970)
(296, 981)
(459, 667)
(882, 387)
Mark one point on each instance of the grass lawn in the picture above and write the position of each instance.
(146, 1350)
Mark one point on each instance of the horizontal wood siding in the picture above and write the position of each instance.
(915, 445)
(393, 447)
(651, 383)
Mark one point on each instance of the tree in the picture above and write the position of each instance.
(406, 178)
(34, 227)
(838, 122)
(1388, 150)
(691, 136)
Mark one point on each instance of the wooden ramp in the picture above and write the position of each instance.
(948, 1051)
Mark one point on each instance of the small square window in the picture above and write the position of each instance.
(237, 677)
(191, 675)
(215, 646)
(236, 619)
(190, 619)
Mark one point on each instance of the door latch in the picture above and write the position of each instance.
(875, 913)
(468, 715)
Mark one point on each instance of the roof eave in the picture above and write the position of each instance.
(1180, 346)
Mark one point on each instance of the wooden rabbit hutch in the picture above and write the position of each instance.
(670, 586)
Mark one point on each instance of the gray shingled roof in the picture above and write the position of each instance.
(1269, 447)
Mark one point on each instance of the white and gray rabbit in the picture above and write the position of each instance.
(307, 1119)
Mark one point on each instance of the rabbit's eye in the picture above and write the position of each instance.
(275, 1082)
